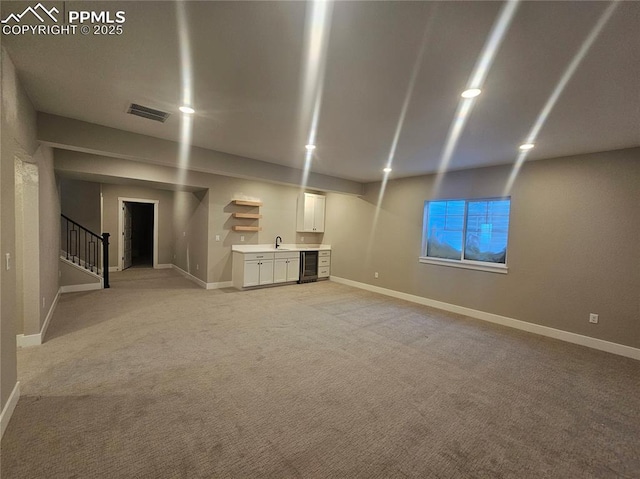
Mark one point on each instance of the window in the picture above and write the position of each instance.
(467, 233)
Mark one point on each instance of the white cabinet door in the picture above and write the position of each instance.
(311, 212)
(251, 273)
(293, 269)
(266, 271)
(280, 270)
(318, 214)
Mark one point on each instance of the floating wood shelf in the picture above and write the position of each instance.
(246, 228)
(249, 216)
(247, 203)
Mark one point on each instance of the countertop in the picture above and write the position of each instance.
(270, 248)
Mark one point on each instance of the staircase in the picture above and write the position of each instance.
(84, 248)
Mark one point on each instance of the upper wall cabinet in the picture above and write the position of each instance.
(310, 213)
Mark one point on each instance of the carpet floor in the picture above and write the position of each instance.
(157, 378)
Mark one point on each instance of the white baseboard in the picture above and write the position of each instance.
(76, 288)
(221, 284)
(163, 266)
(600, 344)
(199, 282)
(24, 341)
(47, 320)
(8, 409)
(113, 269)
(28, 340)
(189, 276)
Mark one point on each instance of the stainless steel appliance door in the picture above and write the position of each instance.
(308, 266)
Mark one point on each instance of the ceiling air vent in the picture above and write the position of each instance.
(146, 112)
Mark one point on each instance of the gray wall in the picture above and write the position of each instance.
(80, 201)
(111, 193)
(73, 275)
(191, 232)
(566, 233)
(278, 219)
(18, 140)
(78, 135)
(573, 243)
(49, 229)
(278, 210)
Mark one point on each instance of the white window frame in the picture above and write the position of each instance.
(463, 263)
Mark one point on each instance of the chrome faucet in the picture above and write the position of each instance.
(278, 244)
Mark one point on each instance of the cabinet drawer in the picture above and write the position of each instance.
(324, 262)
(323, 272)
(324, 253)
(254, 256)
(287, 254)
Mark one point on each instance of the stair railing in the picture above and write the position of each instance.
(85, 248)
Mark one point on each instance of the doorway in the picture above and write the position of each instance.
(141, 235)
(138, 245)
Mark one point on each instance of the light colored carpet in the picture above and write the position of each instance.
(157, 378)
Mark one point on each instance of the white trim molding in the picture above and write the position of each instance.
(114, 269)
(28, 340)
(23, 341)
(594, 343)
(76, 288)
(475, 265)
(220, 285)
(47, 320)
(8, 409)
(163, 266)
(199, 282)
(189, 276)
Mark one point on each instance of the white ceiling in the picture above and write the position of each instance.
(248, 60)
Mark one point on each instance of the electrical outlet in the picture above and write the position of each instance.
(7, 258)
(301, 239)
(375, 275)
(43, 302)
(197, 267)
(593, 318)
(184, 233)
(217, 237)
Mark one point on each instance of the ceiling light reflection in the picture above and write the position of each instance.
(478, 76)
(555, 95)
(317, 28)
(417, 65)
(471, 93)
(186, 74)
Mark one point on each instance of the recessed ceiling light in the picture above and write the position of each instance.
(310, 147)
(471, 93)
(186, 109)
(387, 170)
(526, 146)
